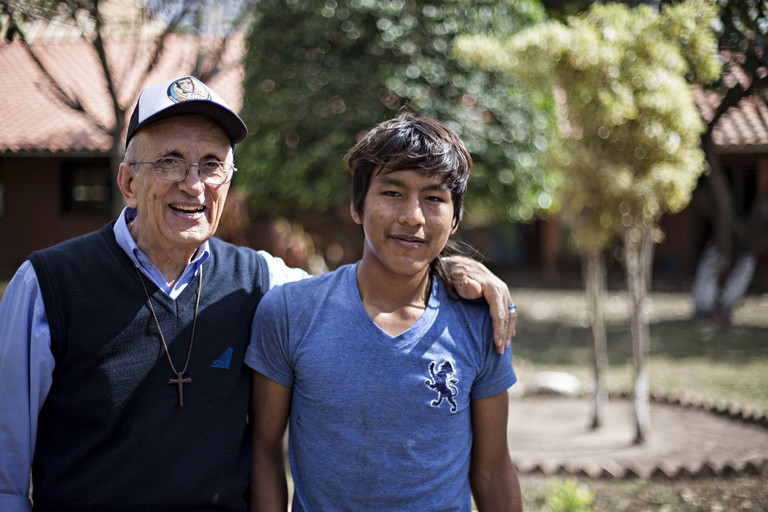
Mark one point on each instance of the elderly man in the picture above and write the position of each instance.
(121, 351)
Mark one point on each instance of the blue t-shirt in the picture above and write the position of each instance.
(378, 422)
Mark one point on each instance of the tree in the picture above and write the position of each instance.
(150, 26)
(631, 131)
(319, 74)
(727, 264)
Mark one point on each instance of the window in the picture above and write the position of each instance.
(85, 187)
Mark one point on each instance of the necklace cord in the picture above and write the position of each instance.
(159, 330)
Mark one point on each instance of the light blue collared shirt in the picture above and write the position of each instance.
(26, 361)
(128, 244)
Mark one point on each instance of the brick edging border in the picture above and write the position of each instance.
(732, 411)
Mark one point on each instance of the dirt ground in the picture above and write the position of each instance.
(553, 433)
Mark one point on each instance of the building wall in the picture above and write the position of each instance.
(32, 215)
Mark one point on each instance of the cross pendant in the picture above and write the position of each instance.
(180, 381)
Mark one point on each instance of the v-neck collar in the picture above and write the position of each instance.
(411, 335)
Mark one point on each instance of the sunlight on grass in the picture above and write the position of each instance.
(743, 383)
(698, 357)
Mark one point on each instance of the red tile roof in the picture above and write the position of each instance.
(744, 127)
(34, 120)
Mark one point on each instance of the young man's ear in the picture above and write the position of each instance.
(126, 180)
(454, 225)
(355, 215)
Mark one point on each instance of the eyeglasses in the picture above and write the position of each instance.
(170, 168)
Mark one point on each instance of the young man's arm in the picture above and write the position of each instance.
(492, 475)
(270, 406)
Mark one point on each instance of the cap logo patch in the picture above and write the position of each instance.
(188, 88)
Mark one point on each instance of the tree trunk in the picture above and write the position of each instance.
(716, 259)
(727, 264)
(736, 285)
(638, 256)
(595, 286)
(706, 287)
(715, 204)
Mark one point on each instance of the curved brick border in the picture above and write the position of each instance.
(664, 471)
(721, 408)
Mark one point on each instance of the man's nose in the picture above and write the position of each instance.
(192, 179)
(411, 212)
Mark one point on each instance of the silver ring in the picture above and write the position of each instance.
(512, 308)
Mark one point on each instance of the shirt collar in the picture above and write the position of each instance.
(128, 245)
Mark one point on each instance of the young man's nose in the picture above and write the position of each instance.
(412, 212)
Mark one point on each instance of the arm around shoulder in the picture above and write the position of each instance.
(473, 280)
(279, 272)
(492, 474)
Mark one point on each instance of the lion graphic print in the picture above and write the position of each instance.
(443, 383)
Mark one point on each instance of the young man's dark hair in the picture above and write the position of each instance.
(413, 143)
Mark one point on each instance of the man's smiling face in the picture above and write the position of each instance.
(184, 214)
(407, 219)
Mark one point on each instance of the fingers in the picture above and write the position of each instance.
(469, 289)
(511, 323)
(496, 294)
(473, 280)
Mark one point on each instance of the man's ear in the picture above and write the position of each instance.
(126, 180)
(355, 215)
(454, 225)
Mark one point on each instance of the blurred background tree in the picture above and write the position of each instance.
(320, 74)
(739, 232)
(727, 264)
(631, 133)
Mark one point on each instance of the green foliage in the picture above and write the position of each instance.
(319, 74)
(630, 127)
(568, 496)
(743, 25)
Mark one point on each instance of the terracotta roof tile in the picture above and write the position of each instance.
(744, 127)
(34, 120)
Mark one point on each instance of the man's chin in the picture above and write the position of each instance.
(192, 237)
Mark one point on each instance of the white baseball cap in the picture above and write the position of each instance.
(184, 96)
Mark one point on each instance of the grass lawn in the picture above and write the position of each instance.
(701, 358)
(708, 495)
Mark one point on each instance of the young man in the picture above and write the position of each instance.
(396, 398)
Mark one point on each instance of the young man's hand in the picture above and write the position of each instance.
(473, 280)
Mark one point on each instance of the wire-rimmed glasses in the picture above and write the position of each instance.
(171, 168)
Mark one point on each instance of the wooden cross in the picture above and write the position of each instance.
(180, 381)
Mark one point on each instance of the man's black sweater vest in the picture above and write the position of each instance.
(111, 435)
